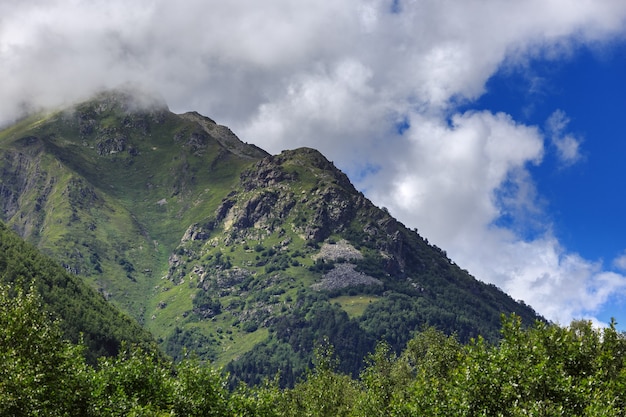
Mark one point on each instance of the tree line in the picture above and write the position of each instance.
(541, 370)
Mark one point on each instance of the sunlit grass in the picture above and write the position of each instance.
(242, 342)
(355, 305)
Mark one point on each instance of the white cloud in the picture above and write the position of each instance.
(620, 262)
(559, 284)
(340, 76)
(567, 146)
(459, 180)
(446, 184)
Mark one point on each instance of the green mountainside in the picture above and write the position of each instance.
(84, 315)
(217, 247)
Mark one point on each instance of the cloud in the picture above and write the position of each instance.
(447, 184)
(567, 146)
(620, 262)
(319, 104)
(373, 84)
(461, 179)
(561, 285)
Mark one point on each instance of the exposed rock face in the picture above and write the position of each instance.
(268, 201)
(25, 186)
(137, 109)
(259, 209)
(327, 207)
(340, 250)
(195, 232)
(268, 172)
(196, 140)
(344, 276)
(111, 145)
(267, 198)
(225, 136)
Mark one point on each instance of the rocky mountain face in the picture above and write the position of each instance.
(215, 246)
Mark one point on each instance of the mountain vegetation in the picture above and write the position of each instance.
(543, 370)
(85, 316)
(216, 247)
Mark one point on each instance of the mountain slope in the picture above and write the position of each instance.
(84, 314)
(108, 190)
(218, 247)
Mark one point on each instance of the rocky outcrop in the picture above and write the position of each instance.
(24, 187)
(344, 276)
(225, 137)
(268, 172)
(195, 232)
(333, 210)
(340, 250)
(328, 207)
(111, 145)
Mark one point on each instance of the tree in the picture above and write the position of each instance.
(40, 373)
(324, 393)
(200, 390)
(136, 380)
(380, 382)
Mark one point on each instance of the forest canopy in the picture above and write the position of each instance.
(544, 369)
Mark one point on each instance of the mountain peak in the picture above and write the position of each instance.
(225, 136)
(126, 100)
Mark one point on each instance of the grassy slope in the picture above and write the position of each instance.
(116, 217)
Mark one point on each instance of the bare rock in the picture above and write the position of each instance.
(344, 276)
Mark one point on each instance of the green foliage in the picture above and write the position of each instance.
(199, 391)
(321, 266)
(271, 357)
(544, 370)
(205, 305)
(355, 305)
(40, 372)
(324, 393)
(316, 320)
(380, 381)
(134, 380)
(85, 315)
(191, 340)
(372, 264)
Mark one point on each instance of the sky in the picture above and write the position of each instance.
(492, 127)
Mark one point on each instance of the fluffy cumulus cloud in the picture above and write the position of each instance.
(375, 85)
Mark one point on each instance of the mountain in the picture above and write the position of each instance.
(84, 314)
(215, 246)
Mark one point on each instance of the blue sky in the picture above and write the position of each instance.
(583, 202)
(492, 127)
